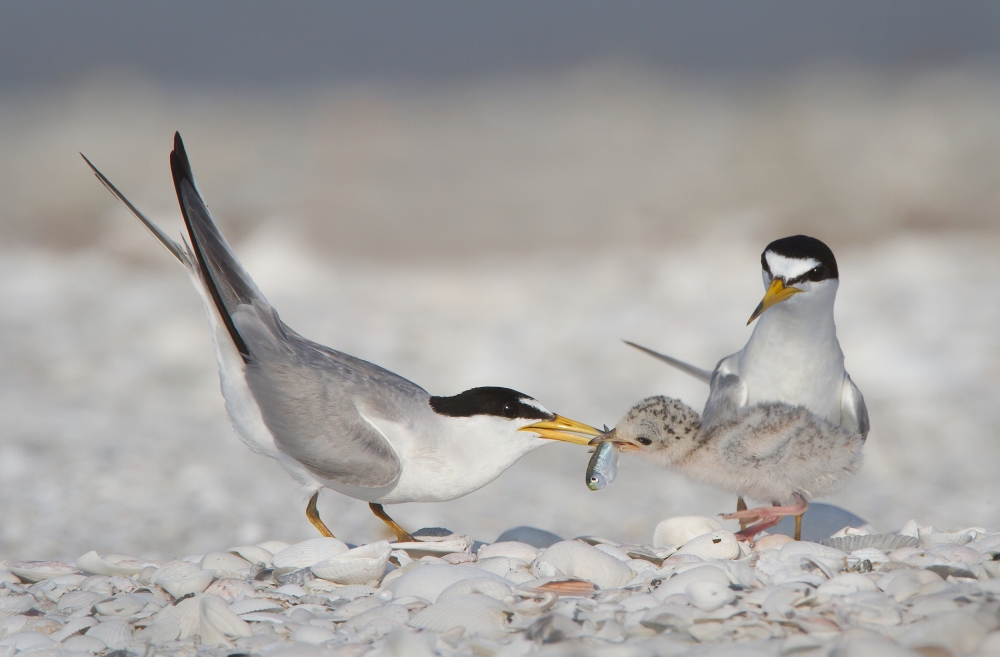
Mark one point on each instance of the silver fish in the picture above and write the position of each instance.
(603, 466)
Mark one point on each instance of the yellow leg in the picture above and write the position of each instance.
(798, 527)
(313, 514)
(402, 536)
(741, 505)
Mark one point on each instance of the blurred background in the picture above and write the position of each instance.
(486, 194)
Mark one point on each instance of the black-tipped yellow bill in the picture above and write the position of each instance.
(776, 293)
(565, 429)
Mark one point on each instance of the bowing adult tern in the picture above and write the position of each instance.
(333, 420)
(793, 354)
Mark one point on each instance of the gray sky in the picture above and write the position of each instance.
(274, 43)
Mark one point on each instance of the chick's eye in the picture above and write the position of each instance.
(510, 409)
(642, 440)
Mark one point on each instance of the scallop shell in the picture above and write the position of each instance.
(74, 626)
(161, 631)
(429, 581)
(12, 625)
(485, 585)
(719, 544)
(115, 633)
(308, 553)
(311, 635)
(576, 559)
(181, 585)
(476, 615)
(934, 538)
(252, 605)
(253, 554)
(12, 605)
(110, 564)
(22, 641)
(666, 587)
(362, 565)
(393, 613)
(884, 542)
(230, 589)
(186, 614)
(274, 547)
(708, 595)
(502, 566)
(89, 644)
(36, 571)
(567, 586)
(120, 605)
(456, 558)
(218, 623)
(681, 529)
(225, 561)
(7, 576)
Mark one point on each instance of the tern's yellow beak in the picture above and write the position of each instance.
(565, 429)
(775, 294)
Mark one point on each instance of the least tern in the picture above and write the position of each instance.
(768, 451)
(333, 420)
(793, 354)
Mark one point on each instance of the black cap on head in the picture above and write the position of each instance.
(803, 247)
(501, 402)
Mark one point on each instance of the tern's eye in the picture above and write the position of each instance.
(816, 273)
(642, 440)
(510, 409)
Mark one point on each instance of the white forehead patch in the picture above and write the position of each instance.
(788, 268)
(534, 404)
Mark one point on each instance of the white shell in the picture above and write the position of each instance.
(475, 614)
(274, 547)
(252, 605)
(679, 582)
(120, 605)
(218, 623)
(81, 643)
(576, 559)
(226, 562)
(186, 614)
(391, 612)
(181, 585)
(485, 585)
(36, 571)
(161, 631)
(709, 596)
(73, 626)
(7, 576)
(115, 633)
(512, 549)
(832, 558)
(308, 553)
(847, 583)
(30, 639)
(12, 605)
(719, 544)
(110, 564)
(680, 530)
(884, 542)
(933, 538)
(312, 635)
(76, 600)
(362, 565)
(253, 554)
(429, 581)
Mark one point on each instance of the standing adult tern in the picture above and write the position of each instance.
(793, 354)
(333, 420)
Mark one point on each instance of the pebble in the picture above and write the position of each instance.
(695, 584)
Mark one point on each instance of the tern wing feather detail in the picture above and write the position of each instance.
(696, 372)
(853, 412)
(727, 395)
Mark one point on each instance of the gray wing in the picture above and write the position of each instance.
(727, 395)
(311, 398)
(696, 372)
(853, 412)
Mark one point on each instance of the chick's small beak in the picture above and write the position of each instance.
(776, 293)
(612, 437)
(563, 428)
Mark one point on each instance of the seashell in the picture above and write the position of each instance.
(475, 614)
(274, 547)
(435, 546)
(456, 558)
(665, 587)
(429, 581)
(637, 552)
(832, 558)
(927, 539)
(355, 591)
(74, 626)
(230, 589)
(161, 631)
(884, 542)
(7, 576)
(79, 643)
(566, 586)
(576, 559)
(958, 632)
(501, 566)
(218, 623)
(358, 606)
(181, 585)
(511, 549)
(110, 565)
(253, 554)
(120, 605)
(36, 571)
(312, 635)
(956, 553)
(115, 633)
(639, 602)
(251, 605)
(12, 605)
(483, 585)
(394, 613)
(25, 640)
(871, 555)
(292, 590)
(225, 561)
(680, 530)
(847, 583)
(299, 577)
(308, 553)
(185, 613)
(709, 596)
(552, 628)
(362, 565)
(718, 544)
(12, 624)
(987, 543)
(43, 624)
(613, 551)
(265, 617)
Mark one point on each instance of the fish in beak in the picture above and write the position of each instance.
(776, 293)
(564, 429)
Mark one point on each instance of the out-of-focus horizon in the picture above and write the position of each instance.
(489, 193)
